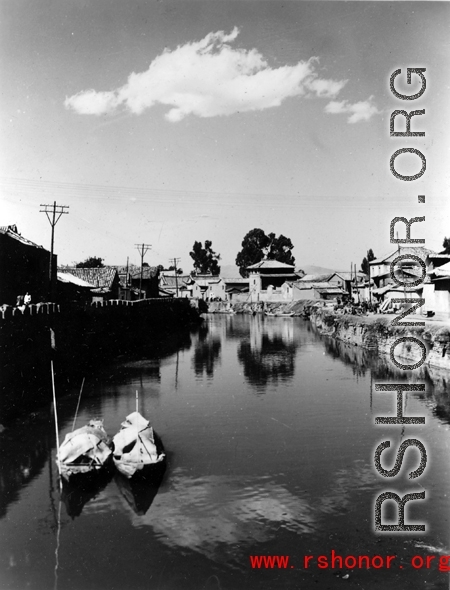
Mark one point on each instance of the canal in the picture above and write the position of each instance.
(270, 436)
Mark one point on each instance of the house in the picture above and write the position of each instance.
(380, 269)
(347, 282)
(105, 281)
(146, 282)
(236, 289)
(72, 289)
(24, 267)
(177, 285)
(126, 291)
(210, 287)
(436, 288)
(312, 287)
(266, 278)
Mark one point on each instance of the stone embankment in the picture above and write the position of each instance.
(377, 333)
(298, 308)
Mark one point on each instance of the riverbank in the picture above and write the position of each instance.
(79, 340)
(376, 332)
(297, 308)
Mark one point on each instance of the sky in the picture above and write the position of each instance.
(168, 122)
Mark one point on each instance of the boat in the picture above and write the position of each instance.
(136, 446)
(84, 450)
(285, 314)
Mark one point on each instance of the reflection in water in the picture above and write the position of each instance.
(268, 354)
(216, 515)
(77, 493)
(22, 459)
(361, 361)
(247, 474)
(139, 492)
(207, 351)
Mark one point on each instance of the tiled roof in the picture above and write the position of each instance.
(171, 281)
(440, 256)
(442, 271)
(286, 275)
(11, 232)
(316, 278)
(148, 272)
(238, 280)
(349, 276)
(204, 281)
(302, 285)
(66, 277)
(330, 290)
(97, 277)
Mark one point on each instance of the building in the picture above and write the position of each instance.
(105, 281)
(72, 289)
(178, 285)
(436, 288)
(147, 283)
(236, 289)
(210, 287)
(24, 267)
(266, 278)
(380, 268)
(313, 287)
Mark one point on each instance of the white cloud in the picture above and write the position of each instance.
(359, 111)
(208, 78)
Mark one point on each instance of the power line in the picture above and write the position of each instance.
(56, 211)
(116, 192)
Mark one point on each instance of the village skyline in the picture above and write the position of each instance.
(179, 122)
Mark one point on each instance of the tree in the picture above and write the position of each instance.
(446, 246)
(91, 262)
(256, 245)
(365, 261)
(205, 259)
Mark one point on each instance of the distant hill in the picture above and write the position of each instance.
(314, 270)
(229, 271)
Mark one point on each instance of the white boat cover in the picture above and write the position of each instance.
(134, 445)
(84, 449)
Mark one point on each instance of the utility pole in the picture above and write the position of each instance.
(142, 249)
(56, 211)
(357, 286)
(174, 262)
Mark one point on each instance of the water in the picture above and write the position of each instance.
(270, 435)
